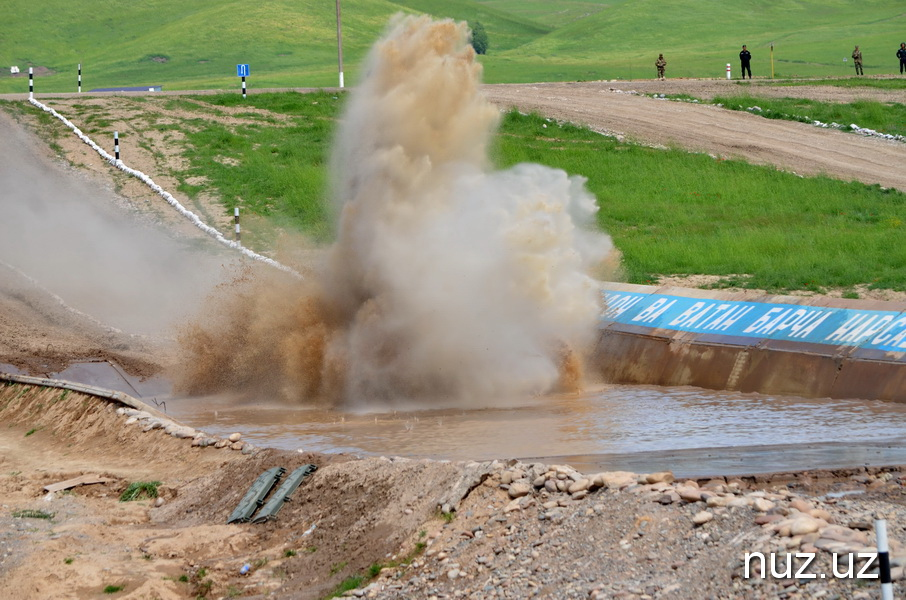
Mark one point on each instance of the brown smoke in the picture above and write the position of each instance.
(448, 281)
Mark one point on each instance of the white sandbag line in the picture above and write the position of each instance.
(165, 195)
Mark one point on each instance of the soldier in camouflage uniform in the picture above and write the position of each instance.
(857, 60)
(661, 64)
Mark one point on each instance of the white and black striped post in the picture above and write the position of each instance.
(884, 559)
(80, 78)
(236, 219)
(31, 83)
(116, 145)
(243, 87)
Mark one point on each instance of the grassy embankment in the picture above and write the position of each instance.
(196, 45)
(669, 212)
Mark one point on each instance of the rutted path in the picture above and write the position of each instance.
(791, 146)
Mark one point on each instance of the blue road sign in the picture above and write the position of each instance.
(242, 70)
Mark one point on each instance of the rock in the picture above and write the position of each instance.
(182, 431)
(702, 517)
(237, 445)
(513, 505)
(235, 437)
(539, 481)
(551, 486)
(765, 519)
(717, 501)
(580, 494)
(803, 506)
(689, 493)
(740, 502)
(843, 534)
(661, 477)
(453, 573)
(221, 443)
(518, 490)
(158, 502)
(804, 524)
(762, 505)
(617, 479)
(820, 513)
(578, 486)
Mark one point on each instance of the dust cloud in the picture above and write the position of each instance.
(64, 234)
(448, 281)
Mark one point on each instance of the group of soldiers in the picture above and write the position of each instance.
(745, 61)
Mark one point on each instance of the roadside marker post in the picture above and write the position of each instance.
(236, 218)
(116, 145)
(243, 72)
(884, 560)
(31, 83)
(728, 70)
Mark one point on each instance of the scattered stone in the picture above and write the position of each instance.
(762, 505)
(661, 477)
(702, 517)
(517, 490)
(235, 437)
(804, 524)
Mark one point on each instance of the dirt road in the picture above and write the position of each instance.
(611, 107)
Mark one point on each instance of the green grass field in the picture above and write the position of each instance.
(668, 211)
(882, 117)
(293, 44)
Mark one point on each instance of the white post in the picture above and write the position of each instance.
(339, 44)
(883, 560)
(80, 78)
(116, 145)
(243, 87)
(728, 71)
(236, 218)
(31, 83)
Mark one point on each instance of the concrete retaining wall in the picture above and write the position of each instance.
(771, 344)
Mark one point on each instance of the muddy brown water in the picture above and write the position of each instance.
(691, 431)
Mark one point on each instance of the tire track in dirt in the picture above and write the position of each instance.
(790, 146)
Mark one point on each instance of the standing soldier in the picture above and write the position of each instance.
(661, 64)
(857, 60)
(901, 54)
(745, 57)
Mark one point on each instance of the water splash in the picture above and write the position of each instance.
(448, 280)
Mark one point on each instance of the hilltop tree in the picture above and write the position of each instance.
(479, 37)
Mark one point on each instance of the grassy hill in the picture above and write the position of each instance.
(186, 45)
(699, 37)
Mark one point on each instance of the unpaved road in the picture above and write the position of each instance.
(610, 107)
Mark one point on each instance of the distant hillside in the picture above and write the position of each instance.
(699, 37)
(186, 45)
